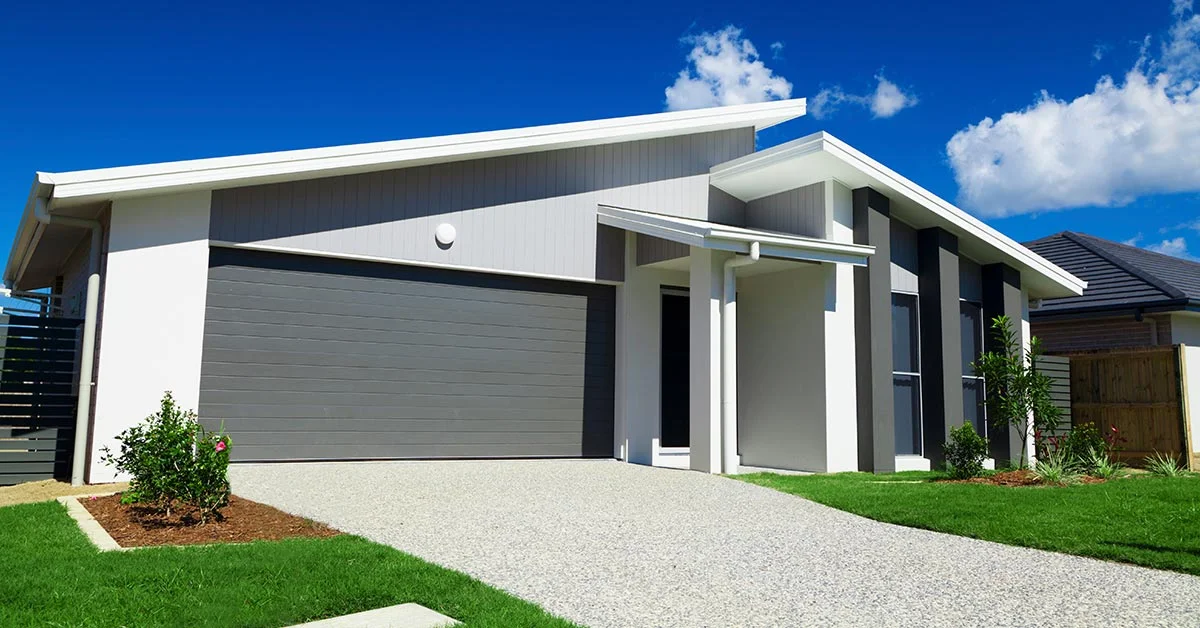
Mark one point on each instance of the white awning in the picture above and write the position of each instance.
(710, 235)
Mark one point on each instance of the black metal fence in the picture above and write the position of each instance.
(38, 375)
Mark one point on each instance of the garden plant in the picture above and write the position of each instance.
(173, 461)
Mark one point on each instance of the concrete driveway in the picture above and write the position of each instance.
(610, 544)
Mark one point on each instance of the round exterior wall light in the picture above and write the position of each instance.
(445, 234)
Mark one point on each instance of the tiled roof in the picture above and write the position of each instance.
(1120, 277)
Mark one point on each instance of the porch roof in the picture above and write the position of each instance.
(710, 235)
(822, 157)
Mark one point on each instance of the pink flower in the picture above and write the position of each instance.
(220, 445)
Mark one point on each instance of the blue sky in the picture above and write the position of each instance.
(90, 86)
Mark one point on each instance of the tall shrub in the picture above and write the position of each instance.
(1017, 394)
(172, 460)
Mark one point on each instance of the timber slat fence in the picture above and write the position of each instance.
(1136, 390)
(37, 396)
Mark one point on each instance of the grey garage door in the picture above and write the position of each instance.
(309, 358)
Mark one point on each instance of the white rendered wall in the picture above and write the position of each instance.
(153, 330)
(841, 407)
(1026, 334)
(781, 370)
(705, 285)
(1191, 359)
(639, 358)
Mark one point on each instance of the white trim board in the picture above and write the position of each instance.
(709, 235)
(229, 171)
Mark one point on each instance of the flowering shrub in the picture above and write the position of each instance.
(172, 460)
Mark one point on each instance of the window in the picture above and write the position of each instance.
(906, 373)
(974, 408)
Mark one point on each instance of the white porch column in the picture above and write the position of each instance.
(152, 322)
(841, 400)
(707, 267)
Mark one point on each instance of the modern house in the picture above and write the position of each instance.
(1134, 297)
(650, 288)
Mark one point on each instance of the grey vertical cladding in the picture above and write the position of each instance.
(725, 208)
(651, 249)
(800, 211)
(317, 358)
(941, 338)
(1001, 297)
(904, 258)
(970, 280)
(532, 213)
(873, 332)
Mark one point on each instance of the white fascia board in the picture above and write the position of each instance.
(227, 171)
(703, 234)
(737, 177)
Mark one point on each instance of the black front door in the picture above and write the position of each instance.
(675, 351)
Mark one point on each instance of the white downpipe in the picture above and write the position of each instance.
(729, 461)
(87, 351)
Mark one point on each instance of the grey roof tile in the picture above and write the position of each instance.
(1119, 276)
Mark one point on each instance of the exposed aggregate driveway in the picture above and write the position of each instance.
(605, 543)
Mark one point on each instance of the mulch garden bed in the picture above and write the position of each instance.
(1020, 477)
(131, 525)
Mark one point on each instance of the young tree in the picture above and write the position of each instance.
(1017, 395)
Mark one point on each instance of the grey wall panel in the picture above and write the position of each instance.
(651, 249)
(309, 357)
(533, 213)
(904, 258)
(725, 208)
(800, 211)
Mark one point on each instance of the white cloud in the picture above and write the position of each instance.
(1191, 224)
(1133, 241)
(1175, 247)
(1099, 51)
(776, 49)
(1106, 148)
(884, 102)
(723, 68)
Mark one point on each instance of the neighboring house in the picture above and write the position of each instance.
(1134, 298)
(548, 291)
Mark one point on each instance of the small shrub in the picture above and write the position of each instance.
(1057, 469)
(965, 452)
(1079, 443)
(1100, 465)
(171, 459)
(1164, 465)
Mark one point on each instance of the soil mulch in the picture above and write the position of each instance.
(1020, 477)
(132, 525)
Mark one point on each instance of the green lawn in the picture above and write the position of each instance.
(50, 575)
(1146, 520)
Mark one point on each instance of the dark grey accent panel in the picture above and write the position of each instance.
(941, 340)
(610, 253)
(317, 358)
(873, 331)
(1001, 297)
